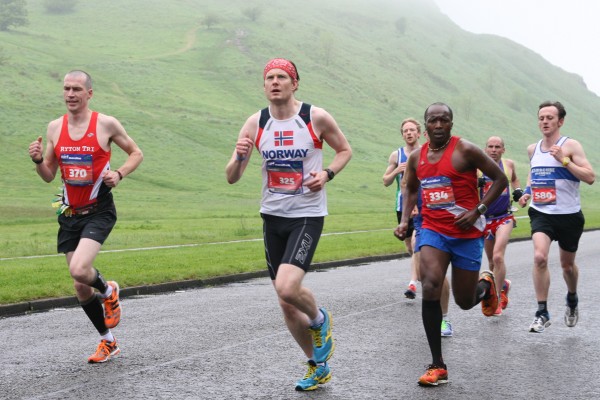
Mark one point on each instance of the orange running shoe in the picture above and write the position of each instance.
(112, 307)
(104, 351)
(411, 292)
(489, 305)
(434, 376)
(504, 294)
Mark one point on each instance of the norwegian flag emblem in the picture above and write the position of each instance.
(284, 138)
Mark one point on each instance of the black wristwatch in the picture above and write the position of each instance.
(482, 208)
(330, 173)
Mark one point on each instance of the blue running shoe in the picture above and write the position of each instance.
(446, 329)
(316, 375)
(323, 345)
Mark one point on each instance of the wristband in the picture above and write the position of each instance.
(120, 174)
(566, 161)
(38, 162)
(527, 190)
(239, 158)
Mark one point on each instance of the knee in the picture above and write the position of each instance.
(431, 288)
(287, 293)
(540, 260)
(498, 259)
(78, 272)
(569, 268)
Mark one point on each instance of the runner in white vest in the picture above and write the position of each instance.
(558, 164)
(289, 136)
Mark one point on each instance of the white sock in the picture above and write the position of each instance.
(319, 320)
(109, 290)
(413, 283)
(108, 336)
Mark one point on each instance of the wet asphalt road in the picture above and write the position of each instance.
(230, 342)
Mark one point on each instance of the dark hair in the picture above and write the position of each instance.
(561, 109)
(88, 78)
(439, 104)
(296, 68)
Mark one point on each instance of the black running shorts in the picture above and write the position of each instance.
(566, 229)
(95, 226)
(290, 241)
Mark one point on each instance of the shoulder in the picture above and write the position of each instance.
(107, 121)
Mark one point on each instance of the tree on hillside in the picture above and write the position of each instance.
(401, 24)
(12, 14)
(252, 13)
(210, 20)
(60, 6)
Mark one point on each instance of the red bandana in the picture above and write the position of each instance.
(281, 63)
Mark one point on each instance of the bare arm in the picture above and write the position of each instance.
(514, 180)
(393, 169)
(331, 133)
(526, 196)
(472, 157)
(410, 191)
(243, 149)
(48, 167)
(119, 136)
(579, 164)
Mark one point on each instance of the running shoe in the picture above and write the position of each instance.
(411, 292)
(498, 311)
(540, 322)
(104, 351)
(571, 316)
(323, 344)
(112, 307)
(434, 376)
(504, 294)
(446, 330)
(316, 375)
(489, 305)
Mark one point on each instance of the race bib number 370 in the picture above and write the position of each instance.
(77, 169)
(284, 176)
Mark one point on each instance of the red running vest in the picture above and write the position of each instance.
(82, 164)
(444, 190)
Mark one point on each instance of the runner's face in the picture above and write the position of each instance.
(279, 86)
(548, 121)
(410, 133)
(438, 124)
(494, 149)
(75, 94)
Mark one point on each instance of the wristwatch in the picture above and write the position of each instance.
(566, 161)
(482, 208)
(330, 173)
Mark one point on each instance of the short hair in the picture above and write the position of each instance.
(561, 109)
(414, 121)
(88, 78)
(439, 104)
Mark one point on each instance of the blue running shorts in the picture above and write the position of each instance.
(465, 253)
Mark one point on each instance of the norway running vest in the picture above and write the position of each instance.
(290, 150)
(554, 190)
(501, 206)
(82, 165)
(447, 193)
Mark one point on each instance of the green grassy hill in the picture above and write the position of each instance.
(183, 86)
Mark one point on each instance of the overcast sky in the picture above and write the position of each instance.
(566, 33)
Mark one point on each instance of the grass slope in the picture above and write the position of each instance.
(183, 89)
